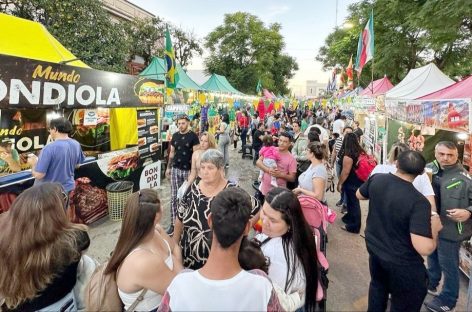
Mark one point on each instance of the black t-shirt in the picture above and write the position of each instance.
(256, 141)
(183, 146)
(396, 209)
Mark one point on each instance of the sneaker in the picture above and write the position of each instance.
(436, 305)
(227, 166)
(339, 203)
(433, 291)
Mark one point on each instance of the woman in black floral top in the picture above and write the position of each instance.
(192, 232)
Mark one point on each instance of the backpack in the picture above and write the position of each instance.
(365, 165)
(101, 293)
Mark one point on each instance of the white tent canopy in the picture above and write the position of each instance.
(419, 82)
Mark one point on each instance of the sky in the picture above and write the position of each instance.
(305, 25)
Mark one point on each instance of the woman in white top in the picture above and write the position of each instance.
(421, 183)
(312, 182)
(207, 141)
(145, 257)
(288, 242)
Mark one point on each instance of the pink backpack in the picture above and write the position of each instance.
(318, 215)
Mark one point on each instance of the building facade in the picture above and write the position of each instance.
(313, 88)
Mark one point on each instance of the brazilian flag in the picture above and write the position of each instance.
(172, 75)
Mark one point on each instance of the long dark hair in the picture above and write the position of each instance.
(351, 146)
(300, 238)
(138, 222)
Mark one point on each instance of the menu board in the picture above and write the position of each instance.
(147, 136)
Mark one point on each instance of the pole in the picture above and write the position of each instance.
(336, 20)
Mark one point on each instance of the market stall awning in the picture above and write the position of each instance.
(420, 82)
(459, 90)
(27, 39)
(219, 83)
(377, 87)
(157, 70)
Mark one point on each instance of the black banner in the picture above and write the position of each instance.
(26, 83)
(147, 136)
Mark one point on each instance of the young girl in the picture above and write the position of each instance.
(271, 156)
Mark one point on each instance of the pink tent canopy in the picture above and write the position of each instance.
(380, 86)
(461, 89)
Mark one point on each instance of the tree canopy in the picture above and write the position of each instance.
(87, 30)
(408, 34)
(245, 50)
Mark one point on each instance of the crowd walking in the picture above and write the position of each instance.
(223, 241)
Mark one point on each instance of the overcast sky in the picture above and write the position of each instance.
(305, 25)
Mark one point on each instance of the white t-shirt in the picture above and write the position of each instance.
(421, 183)
(273, 249)
(338, 126)
(324, 137)
(191, 291)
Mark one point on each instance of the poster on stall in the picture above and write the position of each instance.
(370, 132)
(447, 114)
(414, 113)
(403, 132)
(21, 132)
(147, 136)
(91, 129)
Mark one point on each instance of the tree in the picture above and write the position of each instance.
(145, 37)
(83, 27)
(408, 34)
(244, 50)
(86, 29)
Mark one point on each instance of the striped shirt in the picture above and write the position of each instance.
(337, 146)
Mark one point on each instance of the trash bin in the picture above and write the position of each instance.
(117, 195)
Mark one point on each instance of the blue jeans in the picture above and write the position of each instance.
(352, 218)
(243, 137)
(445, 260)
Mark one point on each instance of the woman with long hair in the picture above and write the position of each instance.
(312, 182)
(40, 250)
(348, 182)
(145, 257)
(288, 242)
(207, 141)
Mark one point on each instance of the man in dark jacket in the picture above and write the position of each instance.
(453, 190)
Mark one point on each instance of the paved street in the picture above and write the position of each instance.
(347, 255)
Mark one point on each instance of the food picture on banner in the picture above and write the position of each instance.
(150, 92)
(121, 166)
(91, 128)
(9, 158)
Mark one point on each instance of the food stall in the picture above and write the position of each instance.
(32, 92)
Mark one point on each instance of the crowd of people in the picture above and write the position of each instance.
(210, 256)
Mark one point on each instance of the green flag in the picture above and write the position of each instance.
(259, 88)
(172, 75)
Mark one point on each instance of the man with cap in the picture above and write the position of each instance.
(182, 145)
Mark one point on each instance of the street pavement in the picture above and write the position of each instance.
(348, 259)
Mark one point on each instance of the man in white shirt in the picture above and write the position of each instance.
(324, 133)
(221, 284)
(339, 124)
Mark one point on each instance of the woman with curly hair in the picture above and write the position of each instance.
(40, 251)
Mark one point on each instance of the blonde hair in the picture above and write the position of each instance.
(37, 243)
(211, 139)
